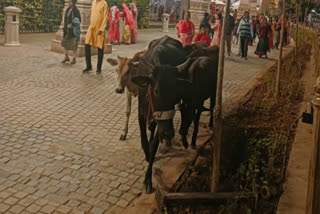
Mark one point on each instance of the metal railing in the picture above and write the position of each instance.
(33, 25)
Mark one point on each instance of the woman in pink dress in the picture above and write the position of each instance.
(185, 30)
(114, 19)
(217, 30)
(134, 31)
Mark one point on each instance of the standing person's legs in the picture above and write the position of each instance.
(245, 47)
(88, 58)
(229, 44)
(66, 57)
(74, 56)
(242, 40)
(100, 59)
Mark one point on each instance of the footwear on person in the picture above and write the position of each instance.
(73, 61)
(98, 71)
(66, 59)
(87, 70)
(246, 58)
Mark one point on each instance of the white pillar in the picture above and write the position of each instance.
(12, 26)
(165, 25)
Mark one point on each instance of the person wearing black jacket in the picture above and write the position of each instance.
(70, 40)
(230, 27)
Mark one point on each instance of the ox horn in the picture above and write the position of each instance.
(182, 67)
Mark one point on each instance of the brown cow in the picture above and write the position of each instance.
(124, 81)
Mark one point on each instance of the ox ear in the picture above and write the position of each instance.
(112, 62)
(143, 61)
(141, 81)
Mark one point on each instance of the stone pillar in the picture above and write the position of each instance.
(84, 7)
(197, 10)
(247, 5)
(12, 26)
(165, 25)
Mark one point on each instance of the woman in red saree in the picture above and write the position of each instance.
(185, 30)
(114, 19)
(217, 30)
(134, 31)
(126, 38)
(271, 33)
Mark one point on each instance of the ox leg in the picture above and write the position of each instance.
(212, 104)
(148, 176)
(187, 114)
(128, 112)
(143, 131)
(152, 129)
(196, 127)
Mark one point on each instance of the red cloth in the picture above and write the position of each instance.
(114, 34)
(235, 16)
(270, 43)
(204, 38)
(186, 31)
(127, 14)
(134, 31)
(254, 26)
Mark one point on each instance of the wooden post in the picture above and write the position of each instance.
(281, 47)
(218, 108)
(313, 205)
(297, 28)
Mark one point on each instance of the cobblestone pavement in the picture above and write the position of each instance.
(59, 130)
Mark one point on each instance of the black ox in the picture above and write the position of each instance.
(168, 77)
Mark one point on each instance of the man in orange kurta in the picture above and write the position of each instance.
(96, 33)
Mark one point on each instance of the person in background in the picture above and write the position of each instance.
(203, 36)
(217, 26)
(71, 31)
(288, 31)
(230, 27)
(278, 32)
(126, 37)
(96, 33)
(235, 37)
(114, 19)
(271, 33)
(205, 21)
(246, 33)
(254, 28)
(185, 30)
(264, 33)
(235, 16)
(134, 31)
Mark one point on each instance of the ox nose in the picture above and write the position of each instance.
(119, 90)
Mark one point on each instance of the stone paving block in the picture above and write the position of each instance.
(4, 207)
(112, 199)
(76, 211)
(11, 200)
(63, 209)
(17, 209)
(48, 209)
(33, 208)
(85, 207)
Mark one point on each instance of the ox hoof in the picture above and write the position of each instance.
(147, 158)
(123, 137)
(185, 144)
(148, 187)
